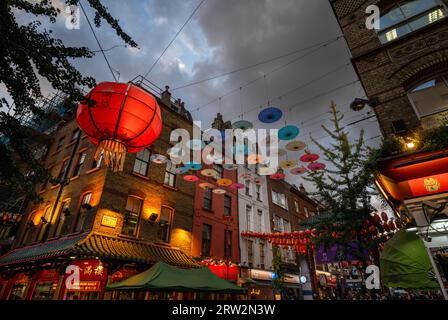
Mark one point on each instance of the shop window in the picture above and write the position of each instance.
(208, 199)
(166, 220)
(44, 223)
(227, 205)
(79, 163)
(408, 16)
(227, 244)
(18, 290)
(82, 214)
(60, 219)
(170, 174)
(141, 163)
(132, 216)
(430, 97)
(206, 240)
(250, 253)
(44, 290)
(97, 164)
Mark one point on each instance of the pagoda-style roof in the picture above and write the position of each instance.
(101, 246)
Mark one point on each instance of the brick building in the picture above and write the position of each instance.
(215, 228)
(113, 223)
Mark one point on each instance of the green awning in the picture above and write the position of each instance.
(404, 263)
(163, 277)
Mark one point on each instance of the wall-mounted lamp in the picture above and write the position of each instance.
(358, 104)
(44, 221)
(153, 217)
(66, 212)
(86, 206)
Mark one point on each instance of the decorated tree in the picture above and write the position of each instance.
(345, 190)
(279, 269)
(28, 55)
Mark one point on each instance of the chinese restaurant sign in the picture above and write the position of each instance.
(92, 274)
(429, 185)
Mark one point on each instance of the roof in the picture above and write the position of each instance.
(165, 277)
(99, 245)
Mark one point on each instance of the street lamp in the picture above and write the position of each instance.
(358, 104)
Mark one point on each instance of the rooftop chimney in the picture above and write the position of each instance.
(219, 124)
(302, 189)
(166, 97)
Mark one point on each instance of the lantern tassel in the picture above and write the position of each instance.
(113, 152)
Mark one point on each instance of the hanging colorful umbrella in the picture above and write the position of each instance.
(315, 166)
(195, 144)
(288, 132)
(224, 182)
(193, 166)
(266, 171)
(270, 115)
(295, 145)
(288, 164)
(254, 158)
(243, 125)
(230, 166)
(209, 173)
(219, 191)
(206, 185)
(191, 178)
(119, 118)
(277, 176)
(309, 157)
(298, 170)
(158, 158)
(237, 186)
(181, 170)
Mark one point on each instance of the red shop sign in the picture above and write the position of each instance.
(429, 185)
(48, 276)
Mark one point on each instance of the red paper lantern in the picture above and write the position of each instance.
(119, 118)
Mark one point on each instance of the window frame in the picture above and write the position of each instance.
(207, 199)
(165, 234)
(227, 205)
(207, 241)
(127, 213)
(140, 161)
(82, 155)
(170, 174)
(86, 198)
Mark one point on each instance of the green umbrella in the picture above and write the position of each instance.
(404, 263)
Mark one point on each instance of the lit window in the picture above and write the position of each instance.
(97, 164)
(166, 218)
(132, 216)
(435, 15)
(391, 35)
(82, 214)
(142, 162)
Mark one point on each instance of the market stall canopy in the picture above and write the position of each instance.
(162, 277)
(404, 263)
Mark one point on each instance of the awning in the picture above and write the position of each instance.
(404, 263)
(102, 246)
(163, 277)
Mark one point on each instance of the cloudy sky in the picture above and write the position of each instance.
(227, 35)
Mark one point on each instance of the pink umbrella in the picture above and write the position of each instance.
(277, 176)
(309, 157)
(316, 166)
(191, 178)
(237, 186)
(298, 170)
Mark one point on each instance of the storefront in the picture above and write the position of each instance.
(45, 286)
(262, 288)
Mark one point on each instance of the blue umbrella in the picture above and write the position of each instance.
(270, 115)
(193, 165)
(288, 132)
(243, 125)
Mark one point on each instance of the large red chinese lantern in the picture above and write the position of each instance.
(119, 118)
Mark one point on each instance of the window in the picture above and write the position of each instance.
(227, 205)
(430, 97)
(249, 217)
(166, 218)
(142, 162)
(227, 244)
(170, 174)
(75, 134)
(97, 164)
(250, 253)
(247, 188)
(408, 16)
(63, 170)
(44, 225)
(296, 205)
(82, 211)
(262, 245)
(260, 220)
(258, 191)
(132, 216)
(306, 211)
(279, 199)
(218, 168)
(79, 163)
(60, 143)
(206, 240)
(281, 225)
(61, 218)
(208, 199)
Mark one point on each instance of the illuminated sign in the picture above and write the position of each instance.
(268, 276)
(87, 286)
(109, 221)
(429, 185)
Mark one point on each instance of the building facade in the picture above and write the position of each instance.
(403, 66)
(109, 224)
